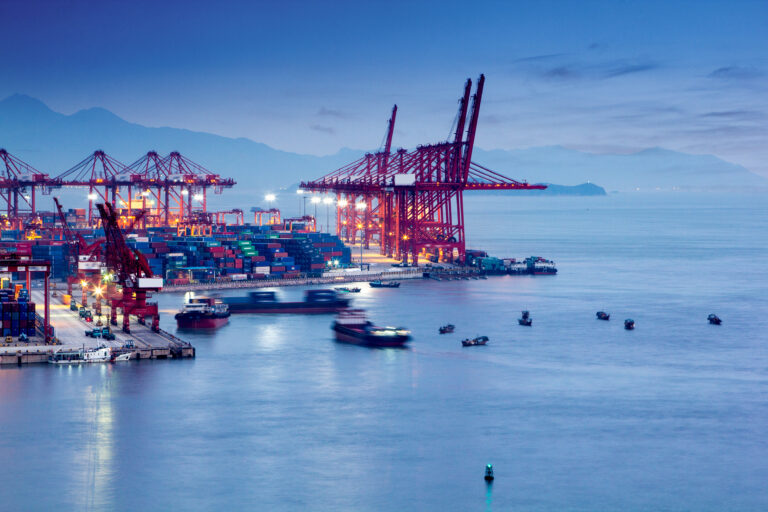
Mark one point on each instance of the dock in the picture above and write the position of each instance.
(69, 330)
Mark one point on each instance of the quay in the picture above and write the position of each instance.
(69, 328)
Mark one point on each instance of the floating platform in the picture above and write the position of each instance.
(69, 330)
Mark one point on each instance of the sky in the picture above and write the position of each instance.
(315, 76)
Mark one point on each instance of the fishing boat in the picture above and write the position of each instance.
(629, 324)
(526, 319)
(480, 340)
(447, 329)
(714, 319)
(602, 315)
(344, 289)
(384, 284)
(351, 326)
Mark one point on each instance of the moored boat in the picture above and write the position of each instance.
(102, 354)
(315, 302)
(203, 313)
(480, 340)
(351, 326)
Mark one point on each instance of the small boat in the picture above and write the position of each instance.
(714, 319)
(344, 289)
(480, 340)
(602, 315)
(526, 319)
(629, 324)
(447, 329)
(489, 473)
(384, 284)
(122, 357)
(351, 326)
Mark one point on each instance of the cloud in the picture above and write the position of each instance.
(328, 112)
(736, 115)
(736, 72)
(323, 129)
(626, 69)
(538, 58)
(571, 71)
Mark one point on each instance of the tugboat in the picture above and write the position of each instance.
(203, 313)
(480, 340)
(602, 315)
(384, 284)
(315, 302)
(102, 354)
(629, 324)
(489, 473)
(351, 326)
(447, 329)
(526, 319)
(714, 319)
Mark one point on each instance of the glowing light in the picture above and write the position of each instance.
(197, 197)
(327, 200)
(270, 197)
(342, 203)
(83, 283)
(359, 225)
(361, 206)
(184, 192)
(98, 291)
(299, 191)
(93, 197)
(315, 199)
(145, 193)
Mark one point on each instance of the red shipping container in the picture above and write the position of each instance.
(317, 265)
(273, 245)
(238, 263)
(281, 255)
(278, 269)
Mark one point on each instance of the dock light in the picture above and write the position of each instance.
(83, 283)
(145, 193)
(361, 206)
(270, 197)
(327, 200)
(184, 192)
(315, 199)
(98, 291)
(359, 225)
(197, 197)
(93, 196)
(26, 197)
(299, 191)
(343, 203)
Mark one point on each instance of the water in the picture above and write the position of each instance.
(574, 413)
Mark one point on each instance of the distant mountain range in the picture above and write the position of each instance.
(53, 142)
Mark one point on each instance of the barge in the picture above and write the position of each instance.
(351, 326)
(203, 313)
(315, 302)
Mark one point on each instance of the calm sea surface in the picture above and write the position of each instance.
(574, 413)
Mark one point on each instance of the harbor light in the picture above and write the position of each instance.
(361, 206)
(184, 192)
(299, 191)
(315, 199)
(98, 291)
(197, 197)
(343, 203)
(327, 200)
(92, 196)
(83, 283)
(270, 197)
(145, 193)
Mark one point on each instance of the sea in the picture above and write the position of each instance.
(575, 414)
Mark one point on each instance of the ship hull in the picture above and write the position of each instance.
(201, 322)
(304, 308)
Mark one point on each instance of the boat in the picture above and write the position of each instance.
(344, 289)
(480, 340)
(489, 473)
(351, 326)
(602, 315)
(526, 319)
(122, 357)
(714, 319)
(202, 313)
(315, 302)
(629, 324)
(447, 329)
(384, 284)
(101, 354)
(541, 266)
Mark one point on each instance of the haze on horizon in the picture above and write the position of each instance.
(312, 77)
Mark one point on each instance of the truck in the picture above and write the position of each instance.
(100, 332)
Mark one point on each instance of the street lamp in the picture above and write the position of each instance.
(302, 193)
(327, 201)
(315, 200)
(270, 197)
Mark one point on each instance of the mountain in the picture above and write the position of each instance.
(585, 189)
(53, 142)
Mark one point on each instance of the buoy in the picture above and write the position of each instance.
(489, 472)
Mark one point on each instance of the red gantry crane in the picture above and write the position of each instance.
(412, 203)
(132, 273)
(19, 183)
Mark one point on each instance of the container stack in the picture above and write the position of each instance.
(18, 314)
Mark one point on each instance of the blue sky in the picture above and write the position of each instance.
(313, 77)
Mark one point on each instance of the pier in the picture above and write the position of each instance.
(69, 329)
